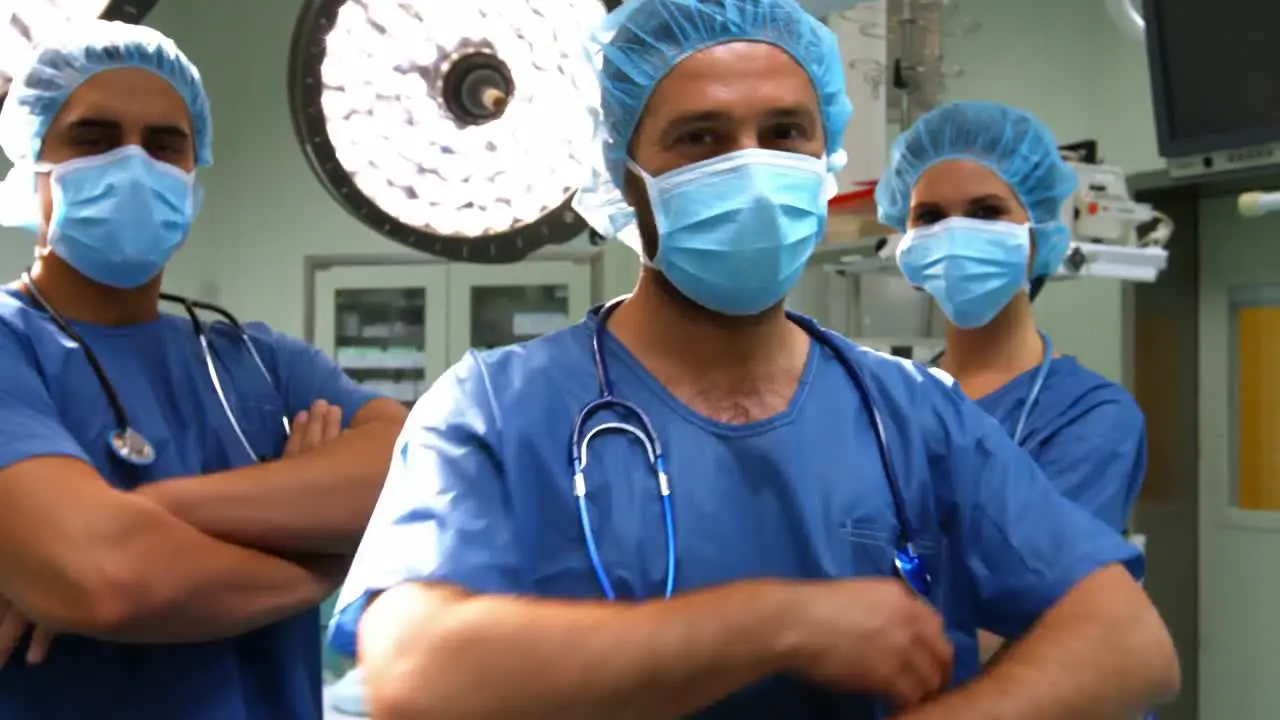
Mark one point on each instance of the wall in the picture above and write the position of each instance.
(1166, 342)
(1238, 602)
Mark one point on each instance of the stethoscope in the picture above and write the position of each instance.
(1036, 385)
(126, 441)
(907, 561)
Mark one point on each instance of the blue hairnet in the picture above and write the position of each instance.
(1013, 143)
(61, 66)
(643, 40)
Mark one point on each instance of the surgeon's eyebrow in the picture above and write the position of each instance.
(91, 124)
(695, 119)
(987, 202)
(169, 132)
(100, 125)
(797, 113)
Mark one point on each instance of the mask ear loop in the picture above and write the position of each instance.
(634, 238)
(1037, 283)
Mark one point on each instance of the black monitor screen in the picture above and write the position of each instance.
(1215, 73)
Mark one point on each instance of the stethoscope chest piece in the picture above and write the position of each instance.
(912, 570)
(130, 446)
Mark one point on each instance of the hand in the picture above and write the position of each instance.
(12, 628)
(874, 637)
(313, 428)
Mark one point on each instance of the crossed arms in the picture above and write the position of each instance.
(186, 559)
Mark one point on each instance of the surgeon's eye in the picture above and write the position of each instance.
(987, 211)
(166, 149)
(699, 138)
(927, 215)
(94, 144)
(785, 133)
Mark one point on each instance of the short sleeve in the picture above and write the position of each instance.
(305, 374)
(1100, 460)
(443, 515)
(1024, 543)
(30, 424)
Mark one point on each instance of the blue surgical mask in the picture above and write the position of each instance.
(120, 216)
(735, 231)
(972, 268)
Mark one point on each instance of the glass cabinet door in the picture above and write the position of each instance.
(384, 325)
(496, 305)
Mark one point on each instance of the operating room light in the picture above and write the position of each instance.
(460, 129)
(23, 23)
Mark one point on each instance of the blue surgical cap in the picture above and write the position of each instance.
(1013, 143)
(643, 40)
(648, 38)
(59, 67)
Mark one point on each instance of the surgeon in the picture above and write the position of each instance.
(164, 541)
(693, 504)
(978, 188)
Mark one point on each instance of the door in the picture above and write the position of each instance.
(495, 305)
(385, 325)
(1239, 463)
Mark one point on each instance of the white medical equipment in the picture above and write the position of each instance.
(1105, 222)
(1257, 203)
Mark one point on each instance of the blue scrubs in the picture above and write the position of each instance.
(51, 404)
(480, 494)
(1085, 432)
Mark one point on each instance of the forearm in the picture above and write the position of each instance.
(318, 502)
(144, 576)
(510, 658)
(223, 594)
(1102, 653)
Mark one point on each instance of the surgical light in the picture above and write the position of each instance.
(25, 22)
(459, 129)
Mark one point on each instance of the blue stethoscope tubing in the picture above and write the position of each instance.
(907, 561)
(1034, 393)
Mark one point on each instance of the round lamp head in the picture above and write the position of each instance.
(458, 129)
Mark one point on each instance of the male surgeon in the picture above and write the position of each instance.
(757, 518)
(164, 542)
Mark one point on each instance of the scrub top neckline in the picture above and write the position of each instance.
(1026, 376)
(617, 350)
(88, 328)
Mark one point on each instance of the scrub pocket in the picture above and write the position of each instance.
(871, 545)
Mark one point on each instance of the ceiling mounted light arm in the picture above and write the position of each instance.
(462, 133)
(130, 11)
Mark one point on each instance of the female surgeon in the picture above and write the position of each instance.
(978, 189)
